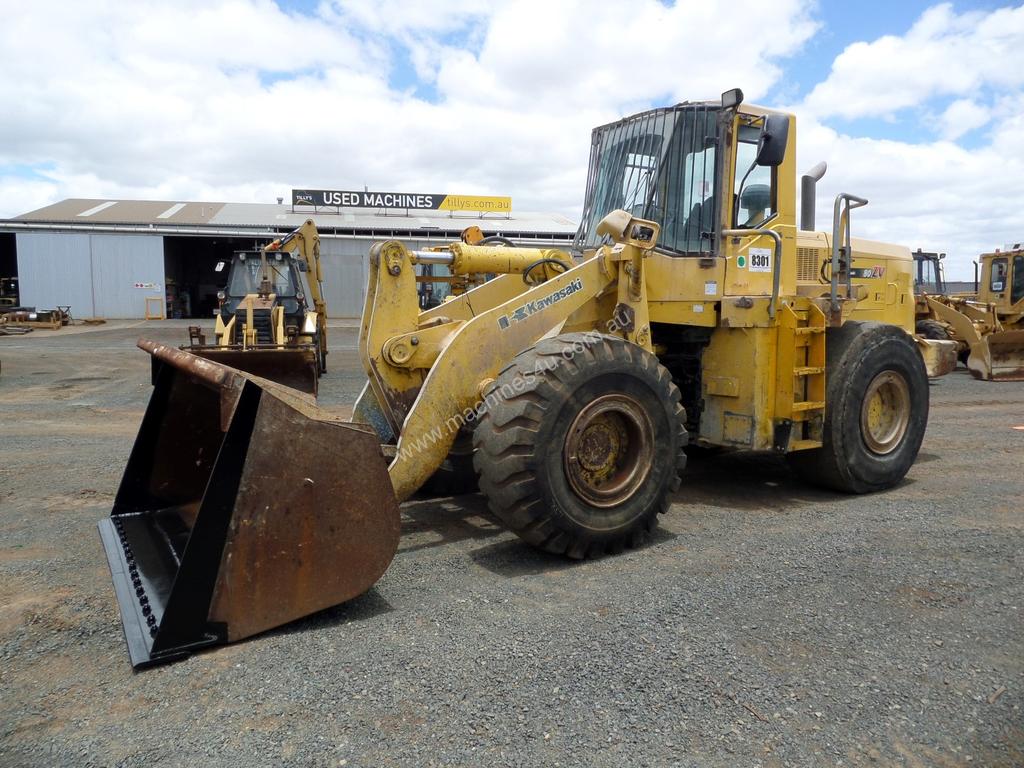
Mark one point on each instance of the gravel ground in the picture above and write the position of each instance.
(767, 624)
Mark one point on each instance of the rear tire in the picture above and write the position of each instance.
(876, 410)
(581, 444)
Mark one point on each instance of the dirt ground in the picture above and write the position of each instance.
(766, 624)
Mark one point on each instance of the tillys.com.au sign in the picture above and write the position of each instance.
(333, 198)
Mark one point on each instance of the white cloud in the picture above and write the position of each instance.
(962, 116)
(238, 99)
(943, 54)
(241, 100)
(934, 193)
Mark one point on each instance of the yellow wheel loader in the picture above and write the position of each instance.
(272, 320)
(988, 325)
(684, 317)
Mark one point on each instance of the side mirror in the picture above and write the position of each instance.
(732, 98)
(220, 266)
(771, 146)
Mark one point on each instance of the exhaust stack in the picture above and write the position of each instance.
(808, 195)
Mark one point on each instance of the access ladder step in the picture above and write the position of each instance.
(804, 445)
(809, 370)
(808, 405)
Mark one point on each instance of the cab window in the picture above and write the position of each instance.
(754, 191)
(1017, 288)
(928, 277)
(998, 281)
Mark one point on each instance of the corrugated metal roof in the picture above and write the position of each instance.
(77, 210)
(163, 214)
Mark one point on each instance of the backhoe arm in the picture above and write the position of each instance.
(304, 244)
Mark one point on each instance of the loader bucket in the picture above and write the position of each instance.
(295, 368)
(242, 507)
(998, 357)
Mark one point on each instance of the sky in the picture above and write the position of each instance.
(917, 106)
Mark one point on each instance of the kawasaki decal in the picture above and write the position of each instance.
(531, 308)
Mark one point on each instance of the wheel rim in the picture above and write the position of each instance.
(885, 412)
(609, 450)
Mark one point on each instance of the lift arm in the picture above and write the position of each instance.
(431, 372)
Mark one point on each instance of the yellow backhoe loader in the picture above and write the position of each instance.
(578, 378)
(988, 325)
(272, 320)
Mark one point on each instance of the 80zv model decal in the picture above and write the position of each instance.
(532, 307)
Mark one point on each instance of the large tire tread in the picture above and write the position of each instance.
(842, 463)
(509, 430)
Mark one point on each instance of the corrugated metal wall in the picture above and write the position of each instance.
(95, 274)
(344, 267)
(118, 263)
(344, 264)
(55, 268)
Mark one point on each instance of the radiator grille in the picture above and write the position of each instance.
(808, 264)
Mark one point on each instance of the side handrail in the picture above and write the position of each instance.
(776, 272)
(845, 202)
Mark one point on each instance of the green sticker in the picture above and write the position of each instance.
(741, 261)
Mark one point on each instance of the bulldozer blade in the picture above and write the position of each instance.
(243, 507)
(295, 368)
(998, 357)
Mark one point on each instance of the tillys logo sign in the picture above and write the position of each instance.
(336, 198)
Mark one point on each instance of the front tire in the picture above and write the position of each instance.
(932, 329)
(456, 475)
(876, 410)
(581, 444)
(321, 354)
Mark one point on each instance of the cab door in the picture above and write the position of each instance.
(758, 196)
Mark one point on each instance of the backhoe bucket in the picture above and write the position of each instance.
(293, 367)
(243, 507)
(998, 357)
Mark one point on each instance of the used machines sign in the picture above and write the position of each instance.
(334, 198)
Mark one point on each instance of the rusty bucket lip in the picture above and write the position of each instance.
(209, 372)
(224, 377)
(292, 367)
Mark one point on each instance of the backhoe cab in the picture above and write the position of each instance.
(272, 320)
(693, 311)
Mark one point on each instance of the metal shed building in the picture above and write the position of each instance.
(105, 257)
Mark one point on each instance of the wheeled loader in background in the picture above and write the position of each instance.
(272, 320)
(686, 318)
(988, 325)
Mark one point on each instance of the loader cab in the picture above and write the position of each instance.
(690, 168)
(696, 169)
(661, 165)
(1002, 279)
(245, 277)
(929, 275)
